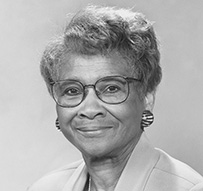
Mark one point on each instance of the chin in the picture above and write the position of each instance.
(95, 151)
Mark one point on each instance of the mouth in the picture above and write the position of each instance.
(92, 131)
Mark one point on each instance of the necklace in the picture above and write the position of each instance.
(89, 185)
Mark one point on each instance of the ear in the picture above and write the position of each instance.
(149, 101)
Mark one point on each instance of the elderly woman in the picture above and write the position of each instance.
(103, 73)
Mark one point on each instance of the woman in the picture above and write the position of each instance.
(103, 73)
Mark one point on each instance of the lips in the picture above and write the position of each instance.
(92, 128)
(93, 131)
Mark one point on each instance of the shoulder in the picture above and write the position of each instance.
(169, 171)
(177, 168)
(55, 180)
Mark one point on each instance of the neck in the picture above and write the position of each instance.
(105, 171)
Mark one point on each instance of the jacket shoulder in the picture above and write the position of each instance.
(177, 168)
(55, 180)
(172, 174)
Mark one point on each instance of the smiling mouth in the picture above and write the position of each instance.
(93, 130)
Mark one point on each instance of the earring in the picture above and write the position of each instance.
(57, 124)
(147, 119)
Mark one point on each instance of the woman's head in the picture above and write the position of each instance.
(101, 31)
(98, 112)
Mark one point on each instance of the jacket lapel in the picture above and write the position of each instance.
(139, 167)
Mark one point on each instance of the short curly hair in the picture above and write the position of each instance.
(101, 30)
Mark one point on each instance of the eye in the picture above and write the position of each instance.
(112, 89)
(72, 91)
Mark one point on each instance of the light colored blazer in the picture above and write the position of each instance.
(148, 169)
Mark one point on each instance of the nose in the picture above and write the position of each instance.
(91, 107)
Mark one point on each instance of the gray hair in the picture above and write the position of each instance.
(101, 30)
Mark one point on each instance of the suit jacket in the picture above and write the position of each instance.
(148, 169)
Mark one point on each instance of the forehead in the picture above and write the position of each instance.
(91, 68)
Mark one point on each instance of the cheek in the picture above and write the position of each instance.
(65, 116)
(128, 114)
(131, 113)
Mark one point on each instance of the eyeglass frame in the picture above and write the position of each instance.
(128, 80)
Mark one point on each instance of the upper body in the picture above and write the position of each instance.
(103, 72)
(148, 169)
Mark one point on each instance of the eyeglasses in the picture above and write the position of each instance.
(110, 89)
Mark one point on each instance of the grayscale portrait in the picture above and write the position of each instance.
(102, 96)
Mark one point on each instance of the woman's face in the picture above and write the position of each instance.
(94, 127)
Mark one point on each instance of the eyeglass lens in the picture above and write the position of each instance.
(70, 93)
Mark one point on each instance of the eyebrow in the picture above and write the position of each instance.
(76, 78)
